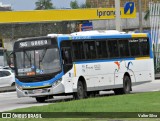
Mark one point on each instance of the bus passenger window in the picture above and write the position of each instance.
(90, 50)
(144, 47)
(134, 47)
(113, 48)
(101, 49)
(78, 51)
(124, 48)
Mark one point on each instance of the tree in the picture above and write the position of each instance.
(86, 5)
(74, 4)
(44, 4)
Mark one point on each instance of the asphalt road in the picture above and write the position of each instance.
(9, 100)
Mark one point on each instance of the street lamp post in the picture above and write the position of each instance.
(140, 15)
(117, 11)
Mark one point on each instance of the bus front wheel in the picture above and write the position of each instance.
(40, 99)
(81, 92)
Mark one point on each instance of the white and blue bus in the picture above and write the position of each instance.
(82, 64)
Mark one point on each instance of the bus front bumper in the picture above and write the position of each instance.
(58, 89)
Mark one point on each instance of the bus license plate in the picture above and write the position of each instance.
(37, 91)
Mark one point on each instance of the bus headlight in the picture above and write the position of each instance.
(19, 87)
(57, 82)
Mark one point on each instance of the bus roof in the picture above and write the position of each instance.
(99, 33)
(96, 32)
(91, 34)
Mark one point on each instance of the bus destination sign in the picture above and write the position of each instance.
(34, 43)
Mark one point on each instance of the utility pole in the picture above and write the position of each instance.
(140, 15)
(118, 16)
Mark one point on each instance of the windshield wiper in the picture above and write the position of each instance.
(43, 54)
(29, 58)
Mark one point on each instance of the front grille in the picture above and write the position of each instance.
(45, 90)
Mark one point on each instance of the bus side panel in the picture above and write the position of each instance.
(124, 67)
(109, 74)
(142, 69)
(68, 81)
(98, 75)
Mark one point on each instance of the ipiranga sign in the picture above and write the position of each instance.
(66, 15)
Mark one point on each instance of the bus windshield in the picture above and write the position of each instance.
(38, 62)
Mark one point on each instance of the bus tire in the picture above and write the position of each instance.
(40, 99)
(126, 86)
(81, 92)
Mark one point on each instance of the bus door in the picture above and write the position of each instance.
(66, 53)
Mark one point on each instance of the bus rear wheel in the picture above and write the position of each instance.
(81, 91)
(126, 86)
(40, 99)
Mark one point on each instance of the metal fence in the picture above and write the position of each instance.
(154, 8)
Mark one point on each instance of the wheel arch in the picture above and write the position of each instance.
(77, 94)
(82, 79)
(127, 74)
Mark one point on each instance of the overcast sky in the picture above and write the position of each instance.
(30, 4)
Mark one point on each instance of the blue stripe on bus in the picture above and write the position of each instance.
(90, 37)
(38, 84)
(84, 37)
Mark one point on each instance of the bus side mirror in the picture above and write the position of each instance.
(10, 61)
